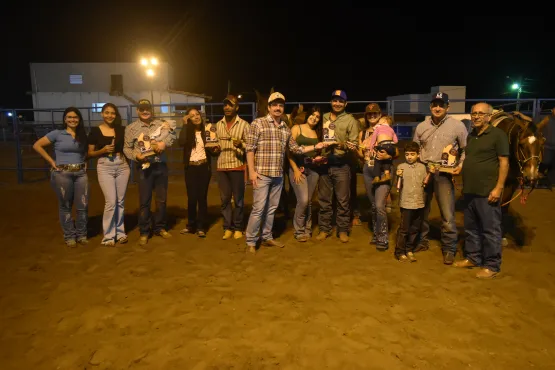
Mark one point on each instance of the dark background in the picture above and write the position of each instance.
(305, 52)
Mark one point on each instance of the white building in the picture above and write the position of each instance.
(91, 85)
(420, 103)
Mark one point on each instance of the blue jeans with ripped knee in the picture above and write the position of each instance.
(72, 188)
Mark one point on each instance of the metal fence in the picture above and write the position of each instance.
(19, 130)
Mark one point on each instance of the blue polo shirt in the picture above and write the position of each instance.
(66, 149)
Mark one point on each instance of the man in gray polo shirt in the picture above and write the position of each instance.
(433, 135)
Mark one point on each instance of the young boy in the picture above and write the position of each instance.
(383, 138)
(411, 202)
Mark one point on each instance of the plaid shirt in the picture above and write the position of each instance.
(269, 141)
(230, 156)
(132, 132)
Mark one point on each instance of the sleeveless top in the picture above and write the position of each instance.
(307, 141)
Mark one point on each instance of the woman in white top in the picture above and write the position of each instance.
(196, 161)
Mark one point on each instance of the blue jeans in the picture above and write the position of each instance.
(334, 179)
(442, 185)
(302, 221)
(113, 176)
(378, 197)
(265, 202)
(72, 188)
(154, 178)
(482, 226)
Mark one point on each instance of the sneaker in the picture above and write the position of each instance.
(486, 273)
(143, 240)
(448, 258)
(302, 238)
(273, 243)
(402, 258)
(322, 236)
(382, 248)
(357, 221)
(237, 234)
(164, 234)
(123, 240)
(227, 234)
(411, 257)
(251, 248)
(373, 239)
(187, 230)
(201, 234)
(71, 243)
(83, 240)
(466, 263)
(343, 237)
(109, 243)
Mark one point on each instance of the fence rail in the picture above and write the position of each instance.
(19, 129)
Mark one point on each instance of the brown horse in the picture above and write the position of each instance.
(526, 148)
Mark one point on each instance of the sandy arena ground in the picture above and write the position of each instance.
(188, 303)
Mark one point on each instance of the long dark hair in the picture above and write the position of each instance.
(191, 137)
(318, 127)
(117, 120)
(80, 134)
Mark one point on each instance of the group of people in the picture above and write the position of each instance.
(316, 161)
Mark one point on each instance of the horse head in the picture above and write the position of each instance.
(528, 149)
(262, 103)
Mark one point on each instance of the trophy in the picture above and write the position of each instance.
(145, 146)
(211, 135)
(329, 132)
(450, 158)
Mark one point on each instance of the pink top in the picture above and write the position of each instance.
(380, 129)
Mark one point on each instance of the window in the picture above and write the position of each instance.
(97, 107)
(164, 108)
(76, 79)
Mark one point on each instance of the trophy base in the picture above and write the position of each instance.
(447, 169)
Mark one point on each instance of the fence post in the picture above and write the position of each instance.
(534, 108)
(17, 148)
(131, 162)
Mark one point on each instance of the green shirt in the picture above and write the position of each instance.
(346, 129)
(481, 166)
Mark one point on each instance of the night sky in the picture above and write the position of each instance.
(303, 52)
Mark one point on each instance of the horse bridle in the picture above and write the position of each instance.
(519, 152)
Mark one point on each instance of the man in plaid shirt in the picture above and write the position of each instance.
(267, 140)
(232, 133)
(155, 177)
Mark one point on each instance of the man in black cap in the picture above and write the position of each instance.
(434, 134)
(232, 133)
(155, 177)
(336, 174)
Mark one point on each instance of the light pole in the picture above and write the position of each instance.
(150, 64)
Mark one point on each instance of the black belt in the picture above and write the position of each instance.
(197, 163)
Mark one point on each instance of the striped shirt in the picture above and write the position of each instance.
(132, 132)
(232, 157)
(434, 138)
(269, 141)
